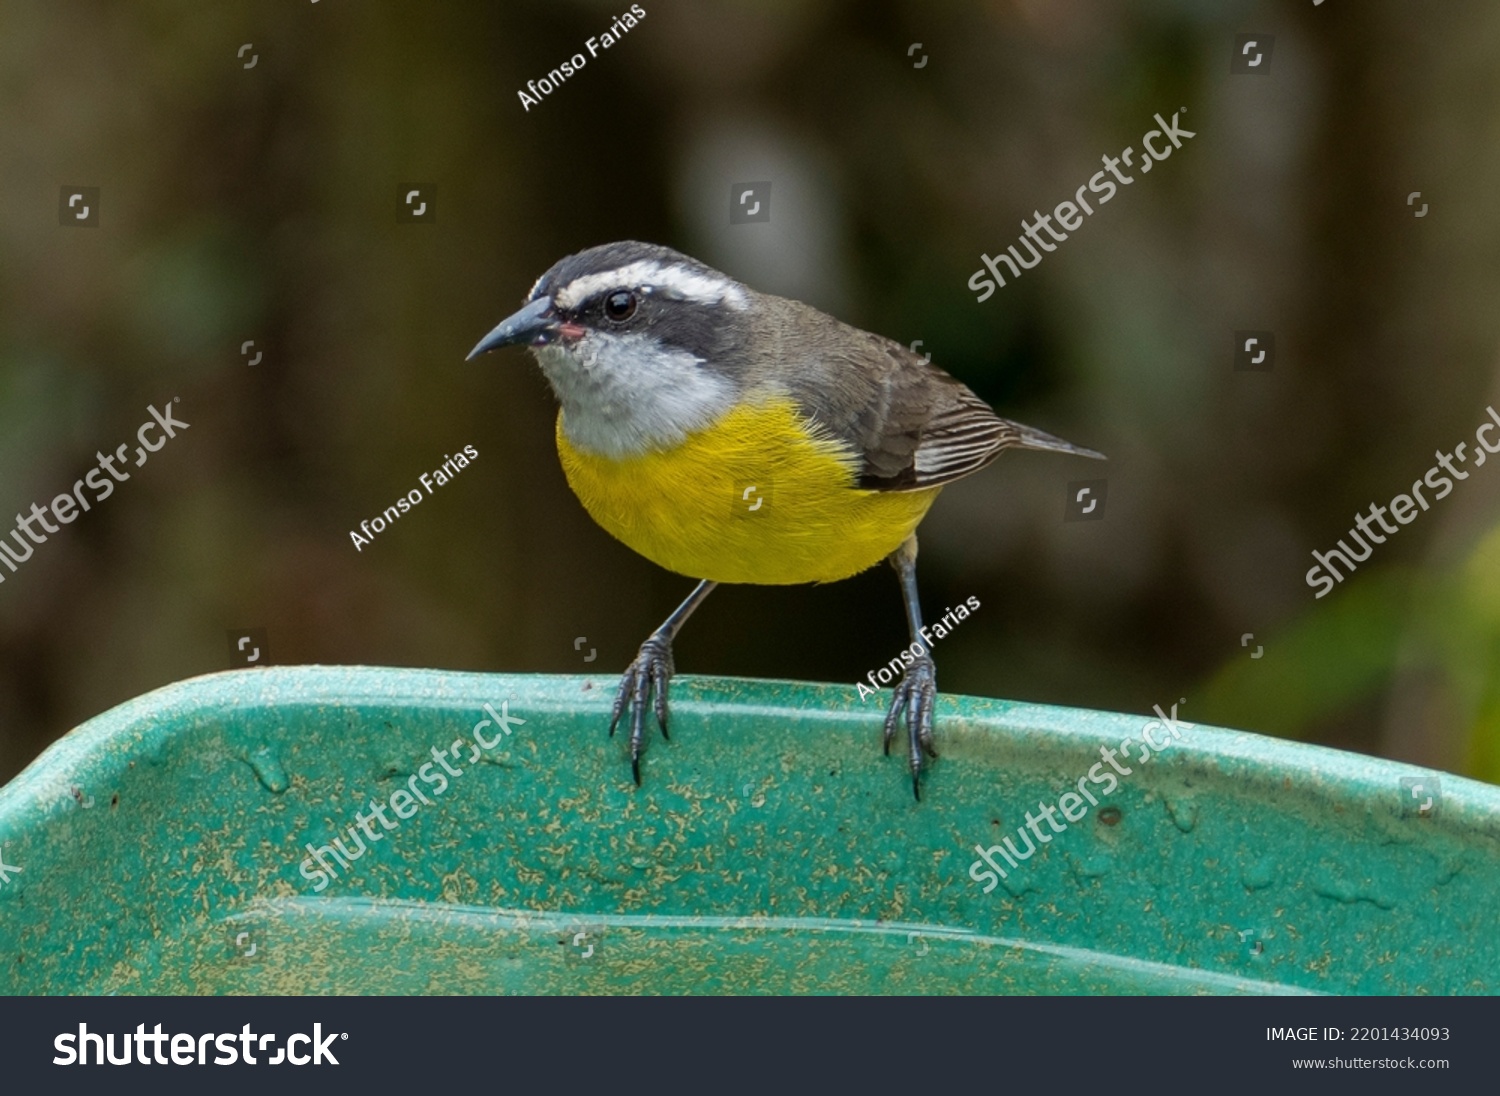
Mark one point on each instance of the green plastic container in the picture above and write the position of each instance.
(164, 848)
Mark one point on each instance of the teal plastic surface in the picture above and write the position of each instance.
(163, 848)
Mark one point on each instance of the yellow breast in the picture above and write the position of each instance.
(753, 498)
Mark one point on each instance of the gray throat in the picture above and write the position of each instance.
(626, 395)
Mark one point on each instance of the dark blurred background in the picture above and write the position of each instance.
(262, 204)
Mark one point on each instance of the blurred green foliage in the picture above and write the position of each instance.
(1436, 632)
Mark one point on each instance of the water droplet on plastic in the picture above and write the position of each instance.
(268, 770)
(1184, 812)
(1260, 874)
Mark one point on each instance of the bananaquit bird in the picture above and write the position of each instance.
(681, 389)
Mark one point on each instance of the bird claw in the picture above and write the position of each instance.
(914, 697)
(648, 674)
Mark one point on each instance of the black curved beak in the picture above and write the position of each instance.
(534, 324)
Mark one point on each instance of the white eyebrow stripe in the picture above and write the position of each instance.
(671, 280)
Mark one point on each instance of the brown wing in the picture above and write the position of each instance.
(912, 425)
(963, 434)
(926, 429)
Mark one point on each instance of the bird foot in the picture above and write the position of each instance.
(648, 674)
(915, 696)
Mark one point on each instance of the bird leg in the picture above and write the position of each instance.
(650, 673)
(916, 693)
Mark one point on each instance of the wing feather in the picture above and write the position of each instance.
(911, 425)
(963, 435)
(946, 433)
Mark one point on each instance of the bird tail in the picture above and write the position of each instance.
(1029, 437)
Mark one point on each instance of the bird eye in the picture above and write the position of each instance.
(619, 306)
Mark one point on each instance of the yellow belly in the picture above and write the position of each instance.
(752, 498)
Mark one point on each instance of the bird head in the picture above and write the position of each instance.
(637, 341)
